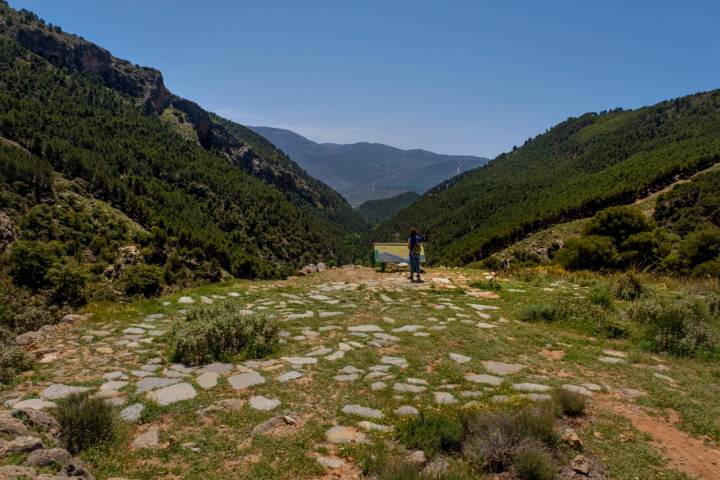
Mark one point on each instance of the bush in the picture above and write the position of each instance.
(30, 262)
(701, 246)
(67, 282)
(494, 439)
(533, 463)
(591, 252)
(570, 403)
(628, 287)
(681, 326)
(432, 433)
(619, 223)
(220, 331)
(709, 269)
(141, 280)
(13, 358)
(538, 312)
(487, 285)
(85, 421)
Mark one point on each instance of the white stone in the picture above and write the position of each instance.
(444, 398)
(362, 411)
(365, 328)
(288, 376)
(207, 380)
(132, 413)
(459, 358)
(57, 391)
(530, 387)
(263, 403)
(245, 380)
(483, 378)
(172, 394)
(186, 300)
(301, 360)
(406, 411)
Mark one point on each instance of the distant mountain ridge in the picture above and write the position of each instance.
(375, 211)
(369, 171)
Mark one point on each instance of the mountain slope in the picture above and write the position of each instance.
(369, 171)
(146, 87)
(375, 211)
(571, 171)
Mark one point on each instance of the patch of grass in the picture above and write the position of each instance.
(602, 296)
(221, 331)
(569, 403)
(432, 432)
(85, 422)
(538, 312)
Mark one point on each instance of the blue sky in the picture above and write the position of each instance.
(466, 77)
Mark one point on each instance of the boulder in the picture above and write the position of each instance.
(28, 338)
(73, 318)
(321, 267)
(22, 444)
(37, 419)
(48, 458)
(126, 256)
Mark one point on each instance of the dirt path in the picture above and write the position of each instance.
(683, 452)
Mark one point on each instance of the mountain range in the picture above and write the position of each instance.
(369, 171)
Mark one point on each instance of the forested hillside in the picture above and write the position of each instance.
(375, 211)
(93, 180)
(573, 170)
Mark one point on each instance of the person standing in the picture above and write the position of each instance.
(414, 248)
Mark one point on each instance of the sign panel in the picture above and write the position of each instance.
(394, 252)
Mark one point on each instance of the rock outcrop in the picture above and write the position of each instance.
(8, 232)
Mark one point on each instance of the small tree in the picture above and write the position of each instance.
(619, 223)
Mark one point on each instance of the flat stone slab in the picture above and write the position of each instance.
(288, 376)
(263, 403)
(151, 383)
(530, 387)
(481, 308)
(34, 404)
(614, 353)
(132, 413)
(172, 394)
(207, 380)
(361, 411)
(483, 378)
(395, 361)
(341, 434)
(219, 368)
(149, 439)
(407, 328)
(301, 360)
(370, 426)
(377, 386)
(319, 352)
(485, 325)
(350, 377)
(330, 462)
(502, 368)
(134, 331)
(186, 300)
(459, 358)
(611, 360)
(408, 388)
(406, 411)
(58, 391)
(245, 380)
(444, 398)
(365, 328)
(113, 385)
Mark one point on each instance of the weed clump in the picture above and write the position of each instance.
(220, 331)
(85, 421)
(683, 327)
(569, 403)
(492, 284)
(534, 463)
(628, 287)
(602, 296)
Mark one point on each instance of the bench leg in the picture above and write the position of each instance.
(382, 267)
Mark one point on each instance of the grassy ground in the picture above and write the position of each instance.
(553, 354)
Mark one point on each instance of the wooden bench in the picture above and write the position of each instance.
(394, 253)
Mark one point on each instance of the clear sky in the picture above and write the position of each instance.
(467, 77)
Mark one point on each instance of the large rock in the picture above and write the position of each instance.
(126, 256)
(341, 434)
(48, 458)
(12, 472)
(29, 338)
(12, 426)
(21, 444)
(37, 419)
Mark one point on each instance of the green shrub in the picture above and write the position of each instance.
(709, 269)
(602, 296)
(590, 252)
(628, 287)
(67, 282)
(220, 331)
(30, 262)
(85, 421)
(619, 223)
(399, 470)
(681, 327)
(141, 280)
(13, 358)
(431, 432)
(570, 403)
(533, 463)
(701, 246)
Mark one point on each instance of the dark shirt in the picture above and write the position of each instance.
(414, 240)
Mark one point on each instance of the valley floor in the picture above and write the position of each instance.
(362, 349)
